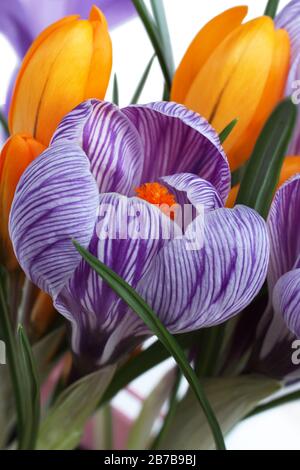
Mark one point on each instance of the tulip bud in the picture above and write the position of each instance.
(68, 63)
(17, 154)
(235, 71)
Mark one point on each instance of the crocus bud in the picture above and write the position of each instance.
(17, 154)
(235, 71)
(68, 63)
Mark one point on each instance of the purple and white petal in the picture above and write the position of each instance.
(190, 189)
(190, 289)
(284, 230)
(286, 299)
(57, 199)
(128, 235)
(110, 141)
(177, 140)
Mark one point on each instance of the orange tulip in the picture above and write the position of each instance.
(68, 63)
(18, 152)
(234, 71)
(290, 167)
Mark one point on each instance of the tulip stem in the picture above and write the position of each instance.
(271, 8)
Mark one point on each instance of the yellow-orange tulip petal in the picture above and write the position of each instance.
(18, 152)
(67, 64)
(290, 167)
(231, 83)
(203, 45)
(239, 147)
(232, 196)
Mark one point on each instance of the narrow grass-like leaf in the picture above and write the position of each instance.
(163, 30)
(142, 82)
(227, 131)
(155, 39)
(263, 170)
(116, 91)
(271, 8)
(4, 123)
(138, 305)
(31, 389)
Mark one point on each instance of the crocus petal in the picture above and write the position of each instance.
(289, 19)
(286, 299)
(110, 141)
(190, 289)
(190, 189)
(272, 333)
(177, 140)
(56, 200)
(102, 323)
(284, 230)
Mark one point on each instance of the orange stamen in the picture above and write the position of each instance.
(157, 194)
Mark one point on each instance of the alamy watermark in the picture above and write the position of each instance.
(2, 353)
(296, 92)
(131, 219)
(296, 353)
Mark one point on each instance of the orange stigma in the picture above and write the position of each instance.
(157, 194)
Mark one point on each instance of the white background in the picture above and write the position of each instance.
(277, 429)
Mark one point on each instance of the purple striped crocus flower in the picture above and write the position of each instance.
(281, 324)
(271, 330)
(98, 156)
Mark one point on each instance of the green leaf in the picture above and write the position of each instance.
(232, 399)
(144, 361)
(116, 91)
(31, 389)
(140, 433)
(163, 30)
(263, 170)
(4, 123)
(271, 8)
(227, 131)
(138, 305)
(168, 419)
(14, 364)
(142, 82)
(62, 428)
(155, 39)
(288, 398)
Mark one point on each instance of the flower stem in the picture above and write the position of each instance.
(271, 8)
